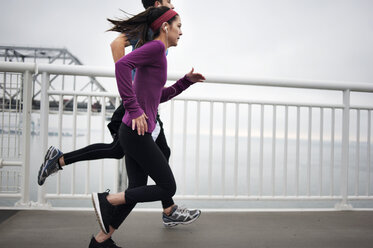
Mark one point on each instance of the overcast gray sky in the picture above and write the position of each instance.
(311, 39)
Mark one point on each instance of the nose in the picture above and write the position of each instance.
(172, 6)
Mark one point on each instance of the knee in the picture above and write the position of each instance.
(119, 154)
(171, 189)
(117, 149)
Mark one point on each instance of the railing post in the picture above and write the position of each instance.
(343, 205)
(44, 113)
(123, 185)
(26, 134)
(117, 173)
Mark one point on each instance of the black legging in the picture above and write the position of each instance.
(112, 150)
(143, 158)
(95, 151)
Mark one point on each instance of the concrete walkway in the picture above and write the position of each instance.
(32, 228)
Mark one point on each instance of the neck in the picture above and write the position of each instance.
(163, 37)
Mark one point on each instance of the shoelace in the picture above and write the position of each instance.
(182, 211)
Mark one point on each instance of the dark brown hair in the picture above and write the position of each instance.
(137, 27)
(150, 3)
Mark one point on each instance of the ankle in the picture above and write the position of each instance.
(168, 210)
(61, 161)
(102, 237)
(116, 199)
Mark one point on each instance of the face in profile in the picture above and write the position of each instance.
(174, 32)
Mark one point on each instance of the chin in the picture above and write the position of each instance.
(173, 44)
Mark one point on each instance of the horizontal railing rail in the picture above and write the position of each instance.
(83, 70)
(268, 150)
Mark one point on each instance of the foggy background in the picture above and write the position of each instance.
(318, 39)
(297, 39)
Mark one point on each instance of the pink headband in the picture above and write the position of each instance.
(163, 18)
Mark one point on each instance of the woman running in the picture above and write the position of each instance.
(141, 100)
(55, 159)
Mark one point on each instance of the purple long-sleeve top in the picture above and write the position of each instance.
(147, 91)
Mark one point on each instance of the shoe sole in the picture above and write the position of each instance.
(96, 206)
(41, 181)
(42, 167)
(48, 154)
(40, 173)
(172, 224)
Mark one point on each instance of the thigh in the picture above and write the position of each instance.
(162, 144)
(154, 163)
(143, 150)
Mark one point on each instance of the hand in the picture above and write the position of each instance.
(141, 124)
(195, 77)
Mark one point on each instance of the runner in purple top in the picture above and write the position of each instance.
(148, 89)
(55, 159)
(141, 100)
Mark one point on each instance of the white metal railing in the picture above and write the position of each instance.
(241, 159)
(10, 181)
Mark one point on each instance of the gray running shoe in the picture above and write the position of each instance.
(50, 165)
(180, 216)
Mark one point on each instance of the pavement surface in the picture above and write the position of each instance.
(45, 228)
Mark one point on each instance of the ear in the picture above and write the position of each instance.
(165, 26)
(157, 4)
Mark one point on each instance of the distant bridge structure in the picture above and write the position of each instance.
(11, 86)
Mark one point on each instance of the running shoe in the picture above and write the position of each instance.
(50, 164)
(104, 210)
(180, 216)
(109, 243)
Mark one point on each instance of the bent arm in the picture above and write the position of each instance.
(123, 74)
(118, 47)
(143, 56)
(170, 92)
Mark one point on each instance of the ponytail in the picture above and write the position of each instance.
(137, 27)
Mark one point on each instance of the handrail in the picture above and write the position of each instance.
(83, 70)
(345, 87)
